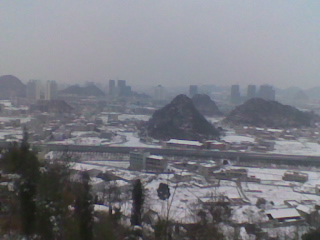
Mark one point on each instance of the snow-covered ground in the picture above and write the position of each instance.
(118, 164)
(214, 119)
(232, 137)
(297, 147)
(301, 146)
(123, 117)
(237, 139)
(133, 141)
(83, 141)
(22, 119)
(184, 199)
(14, 132)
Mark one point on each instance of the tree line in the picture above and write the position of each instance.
(43, 200)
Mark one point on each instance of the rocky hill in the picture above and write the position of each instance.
(205, 105)
(90, 90)
(11, 86)
(262, 113)
(181, 120)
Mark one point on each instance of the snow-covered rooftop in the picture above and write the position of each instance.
(156, 157)
(185, 142)
(283, 213)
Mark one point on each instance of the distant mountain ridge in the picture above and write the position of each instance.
(263, 113)
(90, 90)
(11, 86)
(180, 120)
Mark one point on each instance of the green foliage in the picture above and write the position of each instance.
(19, 160)
(45, 203)
(41, 204)
(27, 186)
(161, 230)
(204, 232)
(11, 161)
(84, 207)
(163, 191)
(53, 199)
(313, 235)
(103, 228)
(138, 200)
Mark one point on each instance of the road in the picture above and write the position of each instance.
(236, 156)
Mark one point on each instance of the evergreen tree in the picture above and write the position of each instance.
(138, 199)
(313, 235)
(27, 186)
(54, 197)
(19, 160)
(84, 207)
(163, 191)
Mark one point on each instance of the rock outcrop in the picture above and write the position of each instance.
(263, 113)
(181, 120)
(11, 87)
(205, 105)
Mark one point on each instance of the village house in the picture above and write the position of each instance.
(155, 163)
(295, 176)
(140, 160)
(283, 216)
(206, 169)
(186, 144)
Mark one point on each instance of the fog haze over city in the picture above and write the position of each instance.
(159, 120)
(162, 42)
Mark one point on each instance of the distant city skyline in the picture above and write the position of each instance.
(172, 43)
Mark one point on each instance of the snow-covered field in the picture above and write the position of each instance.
(297, 147)
(184, 199)
(237, 139)
(301, 146)
(133, 141)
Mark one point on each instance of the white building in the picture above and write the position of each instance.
(156, 163)
(140, 160)
(51, 90)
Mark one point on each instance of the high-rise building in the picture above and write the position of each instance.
(193, 90)
(160, 93)
(267, 92)
(235, 94)
(251, 91)
(121, 83)
(122, 87)
(34, 89)
(51, 90)
(112, 88)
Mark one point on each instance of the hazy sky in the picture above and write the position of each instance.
(164, 42)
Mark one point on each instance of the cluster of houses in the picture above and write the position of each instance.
(292, 213)
(261, 145)
(272, 134)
